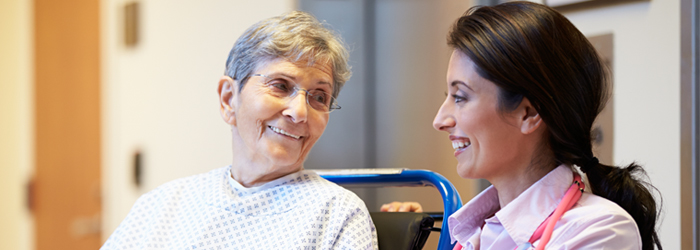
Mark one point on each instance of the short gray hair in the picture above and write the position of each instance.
(295, 36)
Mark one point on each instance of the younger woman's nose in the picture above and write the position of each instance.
(444, 119)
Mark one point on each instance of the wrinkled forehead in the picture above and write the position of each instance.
(322, 64)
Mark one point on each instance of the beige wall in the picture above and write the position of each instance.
(647, 94)
(412, 57)
(411, 60)
(15, 122)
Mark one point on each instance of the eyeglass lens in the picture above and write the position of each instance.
(285, 88)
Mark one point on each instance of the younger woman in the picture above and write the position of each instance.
(524, 87)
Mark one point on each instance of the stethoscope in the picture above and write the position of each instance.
(544, 231)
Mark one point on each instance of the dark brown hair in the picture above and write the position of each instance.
(530, 50)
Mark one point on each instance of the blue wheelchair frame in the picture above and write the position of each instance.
(384, 177)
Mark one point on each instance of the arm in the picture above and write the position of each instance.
(358, 232)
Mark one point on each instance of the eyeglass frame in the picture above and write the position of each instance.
(333, 103)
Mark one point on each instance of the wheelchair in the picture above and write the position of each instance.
(396, 230)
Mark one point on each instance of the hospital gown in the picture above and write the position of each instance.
(213, 211)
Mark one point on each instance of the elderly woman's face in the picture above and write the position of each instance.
(277, 133)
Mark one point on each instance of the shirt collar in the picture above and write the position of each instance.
(520, 217)
(525, 213)
(467, 221)
(225, 190)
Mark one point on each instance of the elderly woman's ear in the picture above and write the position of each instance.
(227, 92)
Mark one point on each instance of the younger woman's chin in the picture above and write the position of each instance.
(466, 172)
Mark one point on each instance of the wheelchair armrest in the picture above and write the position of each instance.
(402, 230)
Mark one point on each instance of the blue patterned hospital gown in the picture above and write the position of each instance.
(213, 211)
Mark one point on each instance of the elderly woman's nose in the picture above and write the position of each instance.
(297, 108)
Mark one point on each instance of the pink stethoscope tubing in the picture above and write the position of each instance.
(544, 231)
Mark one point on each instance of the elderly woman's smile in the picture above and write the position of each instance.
(284, 132)
(274, 124)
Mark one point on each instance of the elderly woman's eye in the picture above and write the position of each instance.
(320, 97)
(280, 86)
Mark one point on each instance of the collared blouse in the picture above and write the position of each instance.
(592, 223)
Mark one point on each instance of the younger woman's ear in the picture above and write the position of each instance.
(227, 93)
(530, 119)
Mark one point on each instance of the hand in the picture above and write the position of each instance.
(396, 206)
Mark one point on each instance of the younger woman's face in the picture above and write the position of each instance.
(484, 138)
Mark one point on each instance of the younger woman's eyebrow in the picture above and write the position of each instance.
(462, 83)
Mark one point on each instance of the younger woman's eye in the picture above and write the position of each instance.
(458, 98)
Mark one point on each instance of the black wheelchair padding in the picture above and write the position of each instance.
(402, 230)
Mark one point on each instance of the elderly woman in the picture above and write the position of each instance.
(282, 77)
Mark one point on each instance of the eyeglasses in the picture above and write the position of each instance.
(284, 88)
